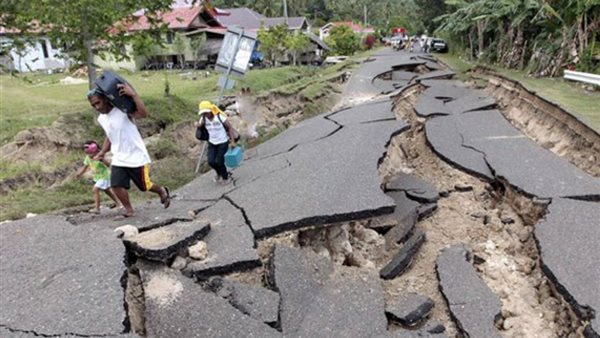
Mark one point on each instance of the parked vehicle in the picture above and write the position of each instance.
(439, 45)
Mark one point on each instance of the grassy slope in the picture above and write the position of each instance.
(19, 111)
(572, 97)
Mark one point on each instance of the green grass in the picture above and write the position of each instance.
(39, 199)
(569, 95)
(36, 100)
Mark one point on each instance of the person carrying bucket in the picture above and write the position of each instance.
(220, 137)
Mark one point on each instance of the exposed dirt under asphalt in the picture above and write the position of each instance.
(495, 221)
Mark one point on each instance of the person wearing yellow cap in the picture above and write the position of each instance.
(220, 134)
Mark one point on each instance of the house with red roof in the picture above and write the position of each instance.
(178, 48)
(195, 22)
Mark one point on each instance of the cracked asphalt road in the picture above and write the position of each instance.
(62, 277)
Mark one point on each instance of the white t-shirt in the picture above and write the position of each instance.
(216, 130)
(127, 146)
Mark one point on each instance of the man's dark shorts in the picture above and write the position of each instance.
(121, 177)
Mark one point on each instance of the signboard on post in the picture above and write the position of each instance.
(235, 52)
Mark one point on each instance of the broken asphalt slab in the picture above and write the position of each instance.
(444, 135)
(451, 100)
(315, 189)
(436, 74)
(409, 309)
(472, 304)
(403, 259)
(405, 215)
(58, 278)
(318, 301)
(304, 132)
(360, 86)
(163, 243)
(257, 302)
(535, 171)
(568, 240)
(364, 113)
(175, 306)
(230, 243)
(414, 187)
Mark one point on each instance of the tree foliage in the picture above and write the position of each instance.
(296, 43)
(81, 26)
(272, 42)
(543, 35)
(342, 40)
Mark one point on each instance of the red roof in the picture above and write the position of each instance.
(177, 18)
(358, 28)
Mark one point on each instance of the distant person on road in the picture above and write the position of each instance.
(100, 174)
(220, 137)
(130, 161)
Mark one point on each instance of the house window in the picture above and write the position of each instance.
(44, 48)
(170, 36)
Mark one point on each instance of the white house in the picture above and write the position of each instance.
(355, 27)
(39, 55)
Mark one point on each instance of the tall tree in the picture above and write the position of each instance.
(80, 25)
(296, 43)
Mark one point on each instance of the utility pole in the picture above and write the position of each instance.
(285, 11)
(365, 13)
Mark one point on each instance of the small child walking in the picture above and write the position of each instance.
(100, 174)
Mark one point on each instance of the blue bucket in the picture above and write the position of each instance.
(234, 156)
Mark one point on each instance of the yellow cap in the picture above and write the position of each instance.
(205, 107)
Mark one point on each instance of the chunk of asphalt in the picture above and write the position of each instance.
(426, 210)
(304, 132)
(403, 259)
(164, 243)
(473, 101)
(446, 91)
(415, 188)
(257, 302)
(444, 136)
(364, 113)
(230, 243)
(409, 309)
(429, 106)
(318, 301)
(361, 83)
(405, 215)
(407, 64)
(568, 240)
(314, 190)
(490, 133)
(175, 306)
(59, 278)
(386, 86)
(472, 304)
(403, 75)
(442, 82)
(405, 333)
(434, 327)
(432, 65)
(437, 74)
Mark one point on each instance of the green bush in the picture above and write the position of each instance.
(343, 41)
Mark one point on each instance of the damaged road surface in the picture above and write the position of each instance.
(405, 214)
